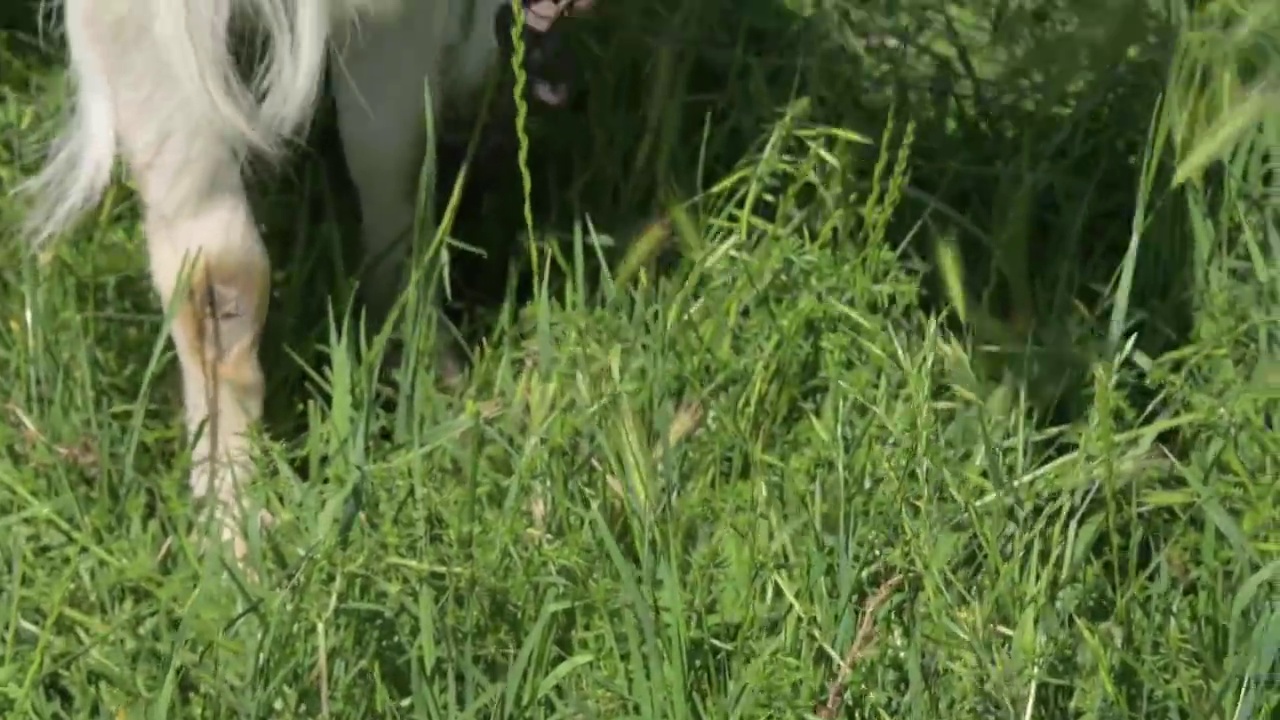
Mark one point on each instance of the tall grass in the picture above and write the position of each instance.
(907, 361)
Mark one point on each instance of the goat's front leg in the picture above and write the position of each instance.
(212, 272)
(211, 269)
(378, 85)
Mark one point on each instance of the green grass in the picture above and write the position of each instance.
(954, 403)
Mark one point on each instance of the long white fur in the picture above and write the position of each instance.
(191, 39)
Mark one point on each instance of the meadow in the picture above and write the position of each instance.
(830, 358)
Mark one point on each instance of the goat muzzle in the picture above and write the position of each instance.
(547, 62)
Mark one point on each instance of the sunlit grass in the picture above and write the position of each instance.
(909, 430)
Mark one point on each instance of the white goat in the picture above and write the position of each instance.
(156, 82)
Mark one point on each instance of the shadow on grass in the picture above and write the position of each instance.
(1030, 130)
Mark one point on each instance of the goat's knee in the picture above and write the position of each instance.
(221, 318)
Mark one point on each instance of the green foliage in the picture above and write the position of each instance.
(973, 314)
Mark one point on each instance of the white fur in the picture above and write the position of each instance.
(156, 83)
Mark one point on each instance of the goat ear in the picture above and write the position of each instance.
(582, 6)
